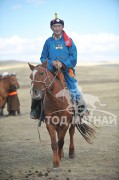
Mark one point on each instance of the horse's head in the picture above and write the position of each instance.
(41, 80)
(13, 81)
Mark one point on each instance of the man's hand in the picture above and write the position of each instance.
(57, 64)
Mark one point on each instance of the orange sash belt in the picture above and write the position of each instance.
(12, 93)
(71, 73)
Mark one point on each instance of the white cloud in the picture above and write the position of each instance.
(96, 42)
(20, 48)
(91, 47)
(97, 47)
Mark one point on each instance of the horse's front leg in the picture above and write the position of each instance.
(58, 129)
(71, 146)
(54, 145)
(62, 133)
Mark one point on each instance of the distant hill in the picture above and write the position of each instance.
(10, 62)
(13, 62)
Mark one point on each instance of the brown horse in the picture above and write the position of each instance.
(45, 86)
(5, 84)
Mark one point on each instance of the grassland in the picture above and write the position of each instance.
(23, 157)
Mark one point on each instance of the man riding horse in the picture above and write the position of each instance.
(61, 53)
(13, 103)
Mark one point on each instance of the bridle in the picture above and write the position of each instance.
(47, 87)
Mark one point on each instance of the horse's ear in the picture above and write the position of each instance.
(31, 66)
(45, 63)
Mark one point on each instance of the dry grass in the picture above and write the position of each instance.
(22, 156)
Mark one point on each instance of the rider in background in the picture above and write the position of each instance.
(61, 53)
(13, 103)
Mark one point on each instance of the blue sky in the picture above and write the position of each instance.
(92, 24)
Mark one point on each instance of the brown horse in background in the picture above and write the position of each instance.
(58, 120)
(5, 84)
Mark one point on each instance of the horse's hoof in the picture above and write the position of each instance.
(57, 169)
(71, 156)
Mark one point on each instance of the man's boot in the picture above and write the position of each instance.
(13, 113)
(36, 108)
(82, 107)
(9, 112)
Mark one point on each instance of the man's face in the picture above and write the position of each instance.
(57, 29)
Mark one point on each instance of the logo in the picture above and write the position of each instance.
(98, 115)
(57, 20)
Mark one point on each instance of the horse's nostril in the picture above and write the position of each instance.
(36, 94)
(35, 91)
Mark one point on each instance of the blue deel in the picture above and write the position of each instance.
(57, 50)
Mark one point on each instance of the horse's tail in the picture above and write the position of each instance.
(86, 131)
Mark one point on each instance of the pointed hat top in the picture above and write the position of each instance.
(56, 16)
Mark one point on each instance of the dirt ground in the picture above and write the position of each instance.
(24, 157)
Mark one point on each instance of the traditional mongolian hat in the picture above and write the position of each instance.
(56, 21)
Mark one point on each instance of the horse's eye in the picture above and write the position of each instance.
(41, 73)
